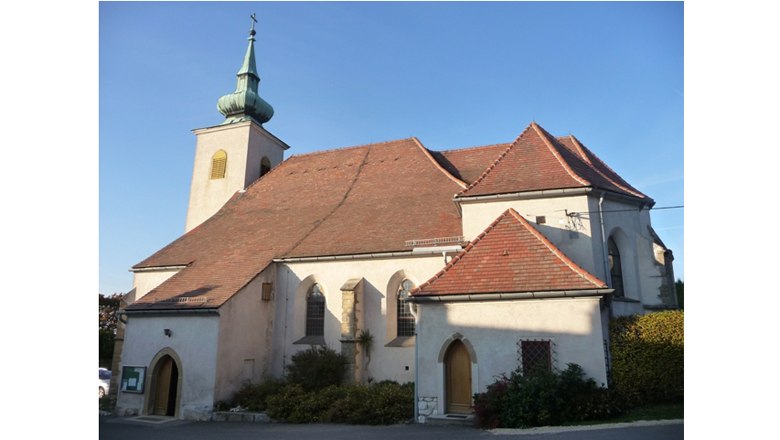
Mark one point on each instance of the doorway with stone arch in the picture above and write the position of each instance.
(165, 385)
(457, 378)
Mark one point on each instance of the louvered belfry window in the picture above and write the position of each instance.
(218, 164)
(315, 312)
(405, 324)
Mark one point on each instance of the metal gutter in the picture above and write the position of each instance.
(510, 296)
(157, 268)
(153, 312)
(528, 194)
(413, 253)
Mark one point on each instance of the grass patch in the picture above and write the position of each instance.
(670, 411)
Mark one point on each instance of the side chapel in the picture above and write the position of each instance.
(462, 264)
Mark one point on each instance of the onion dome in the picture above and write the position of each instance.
(245, 103)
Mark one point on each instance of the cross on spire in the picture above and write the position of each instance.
(254, 20)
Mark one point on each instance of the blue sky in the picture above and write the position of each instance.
(340, 74)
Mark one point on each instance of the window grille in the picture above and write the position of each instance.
(404, 318)
(315, 312)
(535, 354)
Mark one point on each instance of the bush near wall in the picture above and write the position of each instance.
(647, 357)
(380, 404)
(317, 368)
(543, 398)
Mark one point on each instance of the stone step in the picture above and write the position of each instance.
(240, 416)
(451, 419)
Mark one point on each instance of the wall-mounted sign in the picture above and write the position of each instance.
(133, 379)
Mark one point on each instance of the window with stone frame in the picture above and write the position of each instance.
(535, 354)
(404, 317)
(615, 268)
(315, 311)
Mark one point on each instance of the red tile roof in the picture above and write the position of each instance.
(468, 163)
(360, 200)
(510, 256)
(347, 201)
(538, 161)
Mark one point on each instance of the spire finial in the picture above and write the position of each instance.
(252, 28)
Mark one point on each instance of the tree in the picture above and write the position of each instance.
(679, 287)
(107, 321)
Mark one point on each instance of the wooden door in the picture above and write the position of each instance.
(162, 389)
(458, 379)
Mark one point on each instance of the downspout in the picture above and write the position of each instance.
(413, 311)
(604, 255)
(608, 278)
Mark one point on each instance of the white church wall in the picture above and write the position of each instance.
(493, 330)
(294, 278)
(572, 234)
(642, 271)
(194, 340)
(245, 334)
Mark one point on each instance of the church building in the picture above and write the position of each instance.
(461, 264)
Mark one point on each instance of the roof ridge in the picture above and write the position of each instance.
(557, 154)
(585, 149)
(578, 146)
(555, 249)
(495, 162)
(430, 157)
(476, 147)
(353, 147)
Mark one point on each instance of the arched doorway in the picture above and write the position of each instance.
(165, 382)
(457, 378)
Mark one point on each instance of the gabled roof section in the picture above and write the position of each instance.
(355, 200)
(510, 256)
(573, 144)
(467, 164)
(538, 161)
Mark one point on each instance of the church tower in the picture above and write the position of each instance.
(232, 155)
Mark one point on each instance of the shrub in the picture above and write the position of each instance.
(316, 368)
(253, 396)
(543, 398)
(380, 404)
(282, 405)
(647, 357)
(489, 405)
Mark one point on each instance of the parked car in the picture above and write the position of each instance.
(104, 380)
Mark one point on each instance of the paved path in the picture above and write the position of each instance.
(114, 428)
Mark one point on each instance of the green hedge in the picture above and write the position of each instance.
(647, 357)
(381, 404)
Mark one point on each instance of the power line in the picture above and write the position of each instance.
(570, 213)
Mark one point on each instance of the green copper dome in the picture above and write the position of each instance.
(245, 103)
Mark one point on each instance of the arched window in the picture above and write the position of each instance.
(265, 166)
(218, 164)
(315, 312)
(615, 268)
(404, 318)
